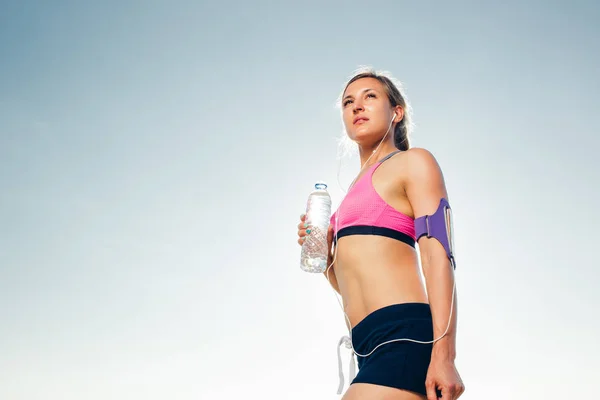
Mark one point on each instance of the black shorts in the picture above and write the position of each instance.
(403, 364)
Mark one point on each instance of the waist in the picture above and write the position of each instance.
(372, 276)
(362, 255)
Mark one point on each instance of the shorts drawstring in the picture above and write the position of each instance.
(347, 342)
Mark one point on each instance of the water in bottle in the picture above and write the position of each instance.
(314, 252)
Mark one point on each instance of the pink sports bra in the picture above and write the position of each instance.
(364, 212)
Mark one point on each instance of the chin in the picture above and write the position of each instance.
(365, 138)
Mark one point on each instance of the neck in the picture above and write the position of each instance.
(375, 153)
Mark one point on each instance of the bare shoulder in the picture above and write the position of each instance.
(417, 164)
(420, 157)
(421, 165)
(424, 182)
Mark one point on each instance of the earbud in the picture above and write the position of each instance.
(395, 115)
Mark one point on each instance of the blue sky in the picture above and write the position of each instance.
(155, 158)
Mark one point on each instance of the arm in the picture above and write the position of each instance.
(425, 187)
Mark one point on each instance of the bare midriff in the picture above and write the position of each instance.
(374, 272)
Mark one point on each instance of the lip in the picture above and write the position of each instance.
(360, 119)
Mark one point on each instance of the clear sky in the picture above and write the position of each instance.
(155, 158)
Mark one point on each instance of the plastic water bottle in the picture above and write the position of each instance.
(313, 257)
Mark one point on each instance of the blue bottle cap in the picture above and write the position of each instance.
(320, 185)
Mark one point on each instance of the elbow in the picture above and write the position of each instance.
(435, 264)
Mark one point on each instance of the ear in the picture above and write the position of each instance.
(399, 114)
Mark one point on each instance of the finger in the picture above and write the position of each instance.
(431, 392)
(302, 239)
(448, 393)
(304, 231)
(456, 391)
(443, 394)
(460, 391)
(302, 234)
(456, 394)
(303, 225)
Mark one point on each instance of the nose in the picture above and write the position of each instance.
(357, 106)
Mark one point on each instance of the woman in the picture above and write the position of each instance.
(374, 264)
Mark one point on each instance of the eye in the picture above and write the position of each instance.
(346, 102)
(371, 95)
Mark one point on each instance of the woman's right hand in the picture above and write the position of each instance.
(304, 229)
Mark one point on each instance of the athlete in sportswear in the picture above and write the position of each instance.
(402, 330)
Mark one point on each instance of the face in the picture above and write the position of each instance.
(367, 112)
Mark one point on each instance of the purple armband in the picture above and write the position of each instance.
(438, 225)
